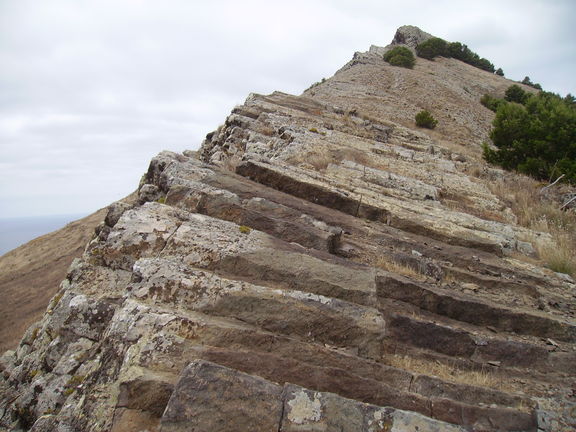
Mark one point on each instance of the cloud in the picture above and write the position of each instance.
(91, 90)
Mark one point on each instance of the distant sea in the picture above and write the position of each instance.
(17, 231)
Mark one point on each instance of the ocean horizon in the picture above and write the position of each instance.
(16, 231)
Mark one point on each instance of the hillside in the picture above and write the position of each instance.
(319, 264)
(30, 275)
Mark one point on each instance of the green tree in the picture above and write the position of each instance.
(528, 82)
(500, 72)
(515, 93)
(537, 138)
(400, 56)
(435, 47)
(432, 47)
(426, 120)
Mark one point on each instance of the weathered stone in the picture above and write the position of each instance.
(209, 397)
(116, 210)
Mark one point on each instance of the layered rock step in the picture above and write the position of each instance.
(211, 397)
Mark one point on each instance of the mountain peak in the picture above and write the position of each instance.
(410, 35)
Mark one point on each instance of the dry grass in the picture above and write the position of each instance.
(449, 278)
(465, 205)
(541, 213)
(232, 162)
(481, 378)
(321, 159)
(266, 130)
(388, 264)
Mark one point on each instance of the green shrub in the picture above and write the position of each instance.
(536, 137)
(491, 102)
(516, 94)
(499, 72)
(433, 47)
(528, 82)
(400, 56)
(426, 120)
(244, 229)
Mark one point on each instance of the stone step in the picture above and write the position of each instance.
(314, 192)
(290, 312)
(464, 230)
(204, 242)
(239, 401)
(477, 312)
(452, 341)
(201, 331)
(256, 213)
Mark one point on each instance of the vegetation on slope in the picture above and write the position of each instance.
(400, 56)
(538, 209)
(534, 134)
(437, 47)
(426, 120)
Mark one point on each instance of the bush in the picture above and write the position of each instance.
(528, 82)
(491, 102)
(516, 94)
(433, 47)
(499, 72)
(537, 137)
(400, 56)
(426, 120)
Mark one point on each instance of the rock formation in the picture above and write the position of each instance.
(319, 264)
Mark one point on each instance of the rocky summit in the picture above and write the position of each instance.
(320, 264)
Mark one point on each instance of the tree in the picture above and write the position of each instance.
(500, 72)
(426, 120)
(432, 47)
(528, 82)
(491, 102)
(400, 56)
(514, 93)
(537, 138)
(484, 64)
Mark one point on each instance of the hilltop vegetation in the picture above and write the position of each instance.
(437, 47)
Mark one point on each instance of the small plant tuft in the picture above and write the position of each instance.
(244, 229)
(426, 120)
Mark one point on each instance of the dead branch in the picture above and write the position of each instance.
(568, 202)
(550, 185)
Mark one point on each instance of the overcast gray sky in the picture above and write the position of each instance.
(90, 91)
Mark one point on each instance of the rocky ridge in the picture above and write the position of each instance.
(319, 264)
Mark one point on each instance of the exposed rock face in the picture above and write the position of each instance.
(251, 287)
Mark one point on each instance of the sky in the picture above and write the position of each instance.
(90, 91)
